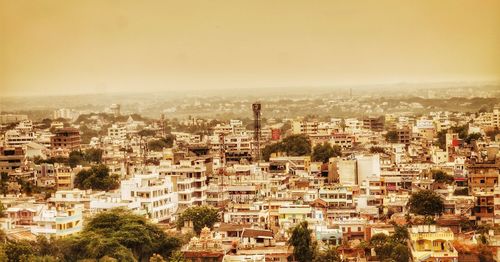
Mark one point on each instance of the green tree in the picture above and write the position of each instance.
(121, 235)
(329, 255)
(159, 144)
(177, 256)
(391, 136)
(426, 203)
(301, 241)
(76, 158)
(322, 153)
(15, 250)
(4, 183)
(97, 177)
(294, 145)
(473, 137)
(94, 155)
(146, 132)
(441, 177)
(377, 149)
(201, 216)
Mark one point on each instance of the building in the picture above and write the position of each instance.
(117, 132)
(155, 194)
(305, 127)
(18, 138)
(375, 124)
(10, 118)
(58, 223)
(189, 181)
(11, 158)
(430, 243)
(66, 138)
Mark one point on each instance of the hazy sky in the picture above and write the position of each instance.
(61, 46)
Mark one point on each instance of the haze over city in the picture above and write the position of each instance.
(75, 47)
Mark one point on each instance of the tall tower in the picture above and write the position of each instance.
(256, 107)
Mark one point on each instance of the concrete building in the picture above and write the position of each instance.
(66, 138)
(189, 181)
(155, 194)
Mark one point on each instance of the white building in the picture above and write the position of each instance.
(155, 194)
(117, 132)
(368, 167)
(189, 181)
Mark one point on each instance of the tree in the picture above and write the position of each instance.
(329, 255)
(121, 235)
(473, 137)
(441, 177)
(159, 144)
(94, 155)
(15, 250)
(294, 145)
(201, 216)
(377, 149)
(97, 177)
(76, 158)
(4, 183)
(426, 203)
(391, 136)
(323, 152)
(146, 132)
(301, 241)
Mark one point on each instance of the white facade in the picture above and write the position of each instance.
(154, 193)
(368, 167)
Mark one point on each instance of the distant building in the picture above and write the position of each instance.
(66, 138)
(11, 158)
(9, 118)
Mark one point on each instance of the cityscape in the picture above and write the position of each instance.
(249, 131)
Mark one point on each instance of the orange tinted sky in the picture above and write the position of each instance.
(84, 46)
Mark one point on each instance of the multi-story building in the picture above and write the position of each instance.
(66, 138)
(189, 181)
(17, 138)
(429, 243)
(58, 223)
(117, 132)
(155, 194)
(305, 127)
(375, 124)
(11, 158)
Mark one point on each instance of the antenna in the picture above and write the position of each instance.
(256, 107)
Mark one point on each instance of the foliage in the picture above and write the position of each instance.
(441, 139)
(121, 235)
(391, 248)
(301, 241)
(177, 256)
(94, 155)
(15, 250)
(329, 255)
(426, 203)
(473, 137)
(391, 136)
(322, 153)
(4, 183)
(492, 133)
(201, 216)
(159, 144)
(146, 132)
(294, 145)
(97, 177)
(441, 177)
(461, 191)
(75, 158)
(377, 149)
